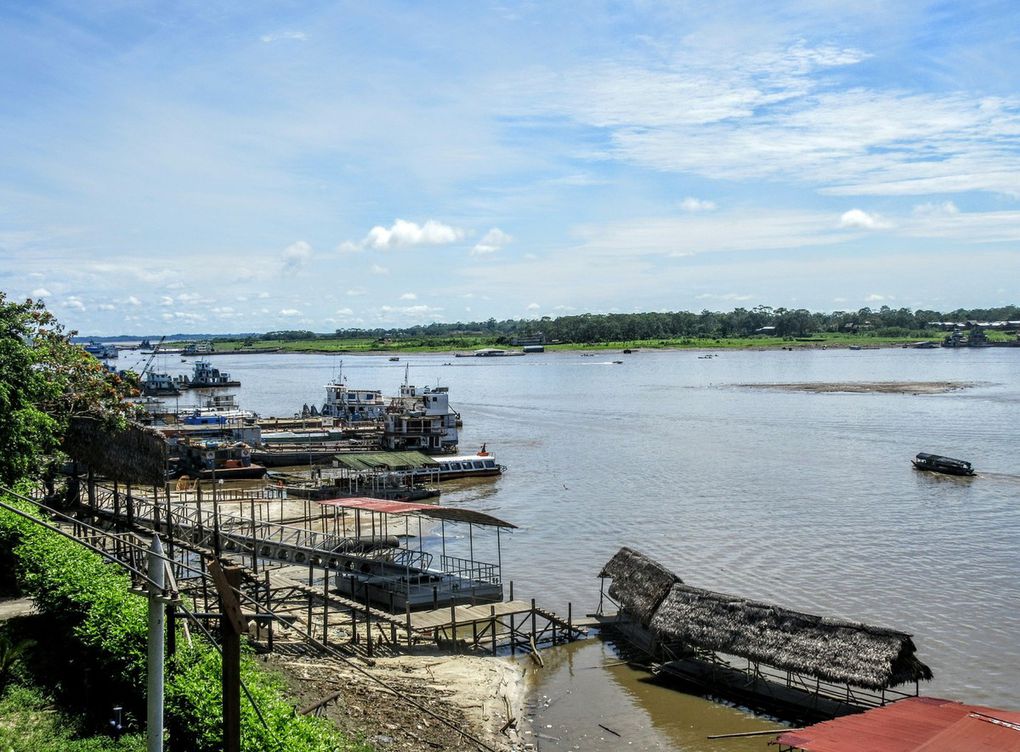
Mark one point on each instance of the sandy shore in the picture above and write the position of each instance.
(399, 702)
(869, 387)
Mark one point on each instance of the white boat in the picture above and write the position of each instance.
(490, 352)
(480, 465)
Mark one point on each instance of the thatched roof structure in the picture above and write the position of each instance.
(639, 583)
(134, 454)
(830, 649)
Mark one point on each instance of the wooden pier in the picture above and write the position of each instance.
(289, 569)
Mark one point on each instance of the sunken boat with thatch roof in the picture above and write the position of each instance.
(798, 665)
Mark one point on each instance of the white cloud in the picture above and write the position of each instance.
(296, 255)
(861, 219)
(691, 204)
(775, 113)
(41, 292)
(166, 300)
(344, 312)
(731, 296)
(494, 240)
(356, 292)
(75, 303)
(533, 306)
(106, 307)
(298, 36)
(290, 312)
(132, 300)
(876, 298)
(408, 296)
(189, 297)
(263, 295)
(946, 208)
(409, 313)
(404, 234)
(379, 270)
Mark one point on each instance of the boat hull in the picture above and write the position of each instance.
(944, 470)
(251, 472)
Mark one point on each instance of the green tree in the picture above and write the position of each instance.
(45, 380)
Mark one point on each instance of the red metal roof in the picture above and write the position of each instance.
(915, 724)
(382, 506)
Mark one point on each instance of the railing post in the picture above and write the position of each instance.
(492, 626)
(325, 606)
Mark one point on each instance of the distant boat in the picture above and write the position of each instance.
(939, 464)
(394, 358)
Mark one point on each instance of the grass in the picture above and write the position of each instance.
(469, 343)
(31, 722)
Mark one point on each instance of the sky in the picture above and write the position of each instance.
(225, 167)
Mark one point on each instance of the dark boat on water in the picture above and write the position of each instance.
(939, 464)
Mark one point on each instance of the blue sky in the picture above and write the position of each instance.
(224, 167)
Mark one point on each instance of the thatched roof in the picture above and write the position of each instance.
(830, 649)
(135, 454)
(639, 583)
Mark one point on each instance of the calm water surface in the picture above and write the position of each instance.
(808, 500)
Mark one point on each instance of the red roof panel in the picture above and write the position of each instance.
(916, 724)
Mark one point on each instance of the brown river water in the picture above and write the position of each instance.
(805, 499)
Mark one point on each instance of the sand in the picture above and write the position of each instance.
(404, 708)
(869, 387)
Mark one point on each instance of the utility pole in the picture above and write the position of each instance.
(232, 626)
(154, 714)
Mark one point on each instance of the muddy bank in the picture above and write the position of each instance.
(396, 707)
(869, 387)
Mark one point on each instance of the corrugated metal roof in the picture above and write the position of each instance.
(434, 511)
(388, 460)
(915, 724)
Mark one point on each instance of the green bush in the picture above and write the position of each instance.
(108, 624)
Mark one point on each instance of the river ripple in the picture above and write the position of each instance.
(808, 500)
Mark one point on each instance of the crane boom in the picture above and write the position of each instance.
(152, 357)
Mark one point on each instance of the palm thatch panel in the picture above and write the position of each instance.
(639, 583)
(133, 454)
(831, 649)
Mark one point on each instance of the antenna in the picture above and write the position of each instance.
(407, 370)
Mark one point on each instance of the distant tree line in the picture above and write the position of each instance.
(621, 327)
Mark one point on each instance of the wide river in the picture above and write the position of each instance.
(808, 500)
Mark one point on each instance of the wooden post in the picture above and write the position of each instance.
(513, 636)
(368, 622)
(354, 613)
(232, 626)
(453, 625)
(325, 606)
(130, 507)
(570, 622)
(534, 631)
(492, 626)
(254, 542)
(269, 608)
(407, 616)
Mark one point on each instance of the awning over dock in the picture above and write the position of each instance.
(915, 724)
(384, 461)
(434, 511)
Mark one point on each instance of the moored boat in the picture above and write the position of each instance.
(479, 465)
(206, 377)
(939, 464)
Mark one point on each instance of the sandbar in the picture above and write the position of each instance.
(868, 387)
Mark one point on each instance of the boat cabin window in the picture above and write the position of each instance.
(455, 466)
(444, 465)
(489, 463)
(477, 465)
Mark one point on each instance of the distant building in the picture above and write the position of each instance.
(528, 340)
